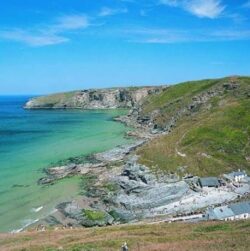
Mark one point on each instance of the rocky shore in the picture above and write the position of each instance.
(92, 162)
(116, 189)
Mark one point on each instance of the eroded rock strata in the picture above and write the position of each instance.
(115, 188)
(95, 98)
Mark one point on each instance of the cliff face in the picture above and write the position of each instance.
(95, 98)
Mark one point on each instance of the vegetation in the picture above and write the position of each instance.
(175, 98)
(209, 141)
(71, 160)
(175, 236)
(51, 100)
(94, 215)
(174, 93)
(87, 184)
(214, 228)
(111, 187)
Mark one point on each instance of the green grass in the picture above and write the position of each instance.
(111, 187)
(175, 98)
(151, 237)
(68, 99)
(176, 92)
(85, 247)
(94, 215)
(52, 100)
(215, 138)
(225, 227)
(87, 183)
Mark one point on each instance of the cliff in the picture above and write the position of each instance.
(203, 126)
(95, 98)
(197, 128)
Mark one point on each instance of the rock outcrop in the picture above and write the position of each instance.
(115, 187)
(94, 98)
(125, 193)
(149, 122)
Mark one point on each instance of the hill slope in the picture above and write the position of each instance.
(152, 237)
(209, 122)
(202, 128)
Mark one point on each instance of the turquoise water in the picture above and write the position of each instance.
(31, 141)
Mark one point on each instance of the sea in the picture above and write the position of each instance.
(31, 140)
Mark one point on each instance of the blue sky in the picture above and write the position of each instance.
(58, 45)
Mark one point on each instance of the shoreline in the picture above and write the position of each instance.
(116, 188)
(32, 222)
(95, 160)
(48, 204)
(140, 194)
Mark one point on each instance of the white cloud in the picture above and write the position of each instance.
(171, 2)
(32, 39)
(159, 36)
(167, 36)
(72, 22)
(105, 11)
(207, 8)
(200, 8)
(50, 34)
(231, 34)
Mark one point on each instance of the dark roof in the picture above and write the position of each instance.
(209, 182)
(241, 208)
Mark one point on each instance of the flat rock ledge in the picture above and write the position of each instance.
(131, 192)
(98, 160)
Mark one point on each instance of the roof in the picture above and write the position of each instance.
(209, 182)
(239, 173)
(241, 208)
(222, 212)
(233, 175)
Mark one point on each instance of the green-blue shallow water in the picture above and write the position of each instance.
(31, 141)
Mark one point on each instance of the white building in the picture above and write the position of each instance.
(241, 210)
(236, 176)
(220, 213)
(235, 211)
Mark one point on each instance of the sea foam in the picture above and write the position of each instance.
(35, 210)
(27, 223)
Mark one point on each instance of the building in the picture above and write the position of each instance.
(241, 210)
(209, 182)
(235, 176)
(235, 211)
(220, 213)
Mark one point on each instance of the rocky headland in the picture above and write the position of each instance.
(95, 98)
(115, 186)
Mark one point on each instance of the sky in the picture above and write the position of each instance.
(59, 45)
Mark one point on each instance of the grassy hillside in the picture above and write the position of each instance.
(174, 94)
(212, 139)
(51, 100)
(154, 237)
